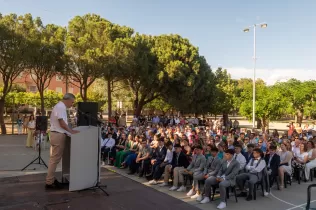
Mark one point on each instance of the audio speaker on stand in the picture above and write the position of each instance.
(41, 123)
(87, 114)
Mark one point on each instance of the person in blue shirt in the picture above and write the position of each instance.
(221, 148)
(248, 155)
(262, 146)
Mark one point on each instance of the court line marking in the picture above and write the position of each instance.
(300, 206)
(282, 200)
(294, 206)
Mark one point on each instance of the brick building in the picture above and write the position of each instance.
(57, 83)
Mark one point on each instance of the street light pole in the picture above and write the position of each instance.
(254, 80)
(262, 25)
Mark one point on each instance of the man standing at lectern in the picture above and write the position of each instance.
(59, 130)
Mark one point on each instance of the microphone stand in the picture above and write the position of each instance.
(39, 157)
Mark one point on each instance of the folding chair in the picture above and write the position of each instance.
(232, 188)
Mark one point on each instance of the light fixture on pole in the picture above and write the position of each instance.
(262, 25)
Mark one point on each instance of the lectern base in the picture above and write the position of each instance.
(97, 187)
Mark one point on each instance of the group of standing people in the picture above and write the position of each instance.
(27, 126)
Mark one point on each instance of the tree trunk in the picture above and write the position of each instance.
(42, 103)
(109, 99)
(83, 93)
(3, 128)
(225, 120)
(265, 124)
(259, 124)
(135, 104)
(138, 110)
(299, 114)
(139, 104)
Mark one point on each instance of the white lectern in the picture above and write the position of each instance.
(81, 159)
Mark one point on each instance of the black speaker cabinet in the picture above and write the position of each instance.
(87, 113)
(41, 123)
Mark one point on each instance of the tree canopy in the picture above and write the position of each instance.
(110, 62)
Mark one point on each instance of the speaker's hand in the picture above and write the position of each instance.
(74, 131)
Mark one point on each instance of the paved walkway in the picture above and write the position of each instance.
(28, 193)
(14, 156)
(292, 198)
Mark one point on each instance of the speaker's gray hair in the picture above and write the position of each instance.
(69, 96)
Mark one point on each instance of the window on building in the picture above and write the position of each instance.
(70, 90)
(59, 78)
(33, 76)
(59, 90)
(21, 75)
(32, 89)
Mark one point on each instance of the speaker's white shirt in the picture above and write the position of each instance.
(59, 112)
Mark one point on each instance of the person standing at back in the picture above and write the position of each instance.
(59, 129)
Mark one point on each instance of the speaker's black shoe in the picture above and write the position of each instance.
(55, 186)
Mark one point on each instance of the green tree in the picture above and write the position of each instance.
(197, 97)
(270, 104)
(80, 42)
(162, 66)
(110, 53)
(143, 76)
(47, 57)
(14, 51)
(158, 104)
(297, 93)
(310, 104)
(224, 94)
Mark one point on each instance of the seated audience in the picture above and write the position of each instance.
(179, 162)
(211, 169)
(195, 169)
(158, 171)
(254, 173)
(300, 158)
(121, 155)
(226, 176)
(248, 154)
(239, 157)
(311, 158)
(142, 160)
(158, 156)
(285, 163)
(107, 145)
(272, 161)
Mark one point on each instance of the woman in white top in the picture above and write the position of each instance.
(30, 131)
(300, 158)
(285, 162)
(311, 158)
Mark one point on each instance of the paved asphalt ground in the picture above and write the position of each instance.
(24, 192)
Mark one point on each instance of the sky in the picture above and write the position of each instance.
(285, 49)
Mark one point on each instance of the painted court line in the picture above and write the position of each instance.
(291, 204)
(300, 206)
(294, 206)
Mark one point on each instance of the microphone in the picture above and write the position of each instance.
(88, 117)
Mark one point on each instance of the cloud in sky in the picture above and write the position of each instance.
(271, 76)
